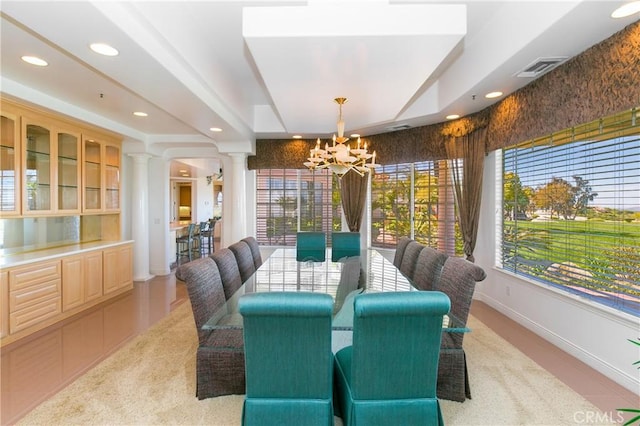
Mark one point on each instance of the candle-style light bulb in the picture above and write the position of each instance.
(373, 158)
(358, 142)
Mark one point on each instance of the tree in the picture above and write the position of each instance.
(557, 196)
(583, 194)
(514, 197)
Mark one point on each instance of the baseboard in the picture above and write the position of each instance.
(596, 363)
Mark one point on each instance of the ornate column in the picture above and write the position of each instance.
(237, 194)
(140, 217)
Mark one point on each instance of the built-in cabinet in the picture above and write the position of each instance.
(39, 294)
(51, 165)
(101, 175)
(10, 181)
(118, 268)
(82, 278)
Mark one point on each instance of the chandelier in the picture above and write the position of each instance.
(340, 157)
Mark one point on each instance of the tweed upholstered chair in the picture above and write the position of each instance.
(311, 246)
(255, 251)
(289, 363)
(219, 357)
(403, 242)
(344, 244)
(388, 376)
(428, 268)
(410, 259)
(458, 281)
(244, 259)
(229, 271)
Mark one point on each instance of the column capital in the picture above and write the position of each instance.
(140, 157)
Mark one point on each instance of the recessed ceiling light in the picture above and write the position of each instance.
(182, 171)
(140, 114)
(34, 60)
(452, 116)
(626, 10)
(185, 175)
(104, 49)
(296, 137)
(491, 95)
(215, 129)
(354, 135)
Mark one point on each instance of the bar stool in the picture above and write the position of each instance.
(185, 244)
(206, 233)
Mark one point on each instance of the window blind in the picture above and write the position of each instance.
(571, 210)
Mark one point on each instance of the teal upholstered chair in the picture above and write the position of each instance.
(288, 358)
(388, 376)
(311, 246)
(344, 244)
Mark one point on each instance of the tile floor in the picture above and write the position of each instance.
(37, 367)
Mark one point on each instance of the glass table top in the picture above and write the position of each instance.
(342, 280)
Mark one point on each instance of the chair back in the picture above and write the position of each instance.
(288, 358)
(402, 330)
(204, 287)
(255, 251)
(344, 244)
(244, 259)
(410, 259)
(229, 271)
(428, 268)
(311, 246)
(400, 248)
(458, 281)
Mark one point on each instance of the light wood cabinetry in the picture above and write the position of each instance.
(34, 294)
(82, 279)
(4, 304)
(56, 166)
(10, 177)
(39, 294)
(68, 168)
(118, 269)
(38, 167)
(101, 175)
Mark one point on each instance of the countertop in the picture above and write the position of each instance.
(30, 256)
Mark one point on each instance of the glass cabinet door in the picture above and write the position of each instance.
(68, 172)
(92, 175)
(37, 193)
(10, 177)
(112, 177)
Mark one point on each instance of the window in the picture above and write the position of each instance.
(289, 200)
(414, 200)
(571, 211)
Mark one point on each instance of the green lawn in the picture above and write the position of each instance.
(608, 251)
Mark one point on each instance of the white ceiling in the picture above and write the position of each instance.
(268, 69)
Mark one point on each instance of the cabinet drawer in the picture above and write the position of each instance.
(34, 314)
(20, 278)
(34, 294)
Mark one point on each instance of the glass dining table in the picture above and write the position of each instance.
(343, 280)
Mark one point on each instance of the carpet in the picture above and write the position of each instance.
(151, 381)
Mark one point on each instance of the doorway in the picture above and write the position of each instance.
(184, 201)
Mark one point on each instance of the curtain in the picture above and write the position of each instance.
(353, 194)
(466, 157)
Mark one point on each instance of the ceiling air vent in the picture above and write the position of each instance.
(541, 66)
(398, 127)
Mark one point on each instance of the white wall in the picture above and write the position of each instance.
(202, 199)
(160, 255)
(595, 334)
